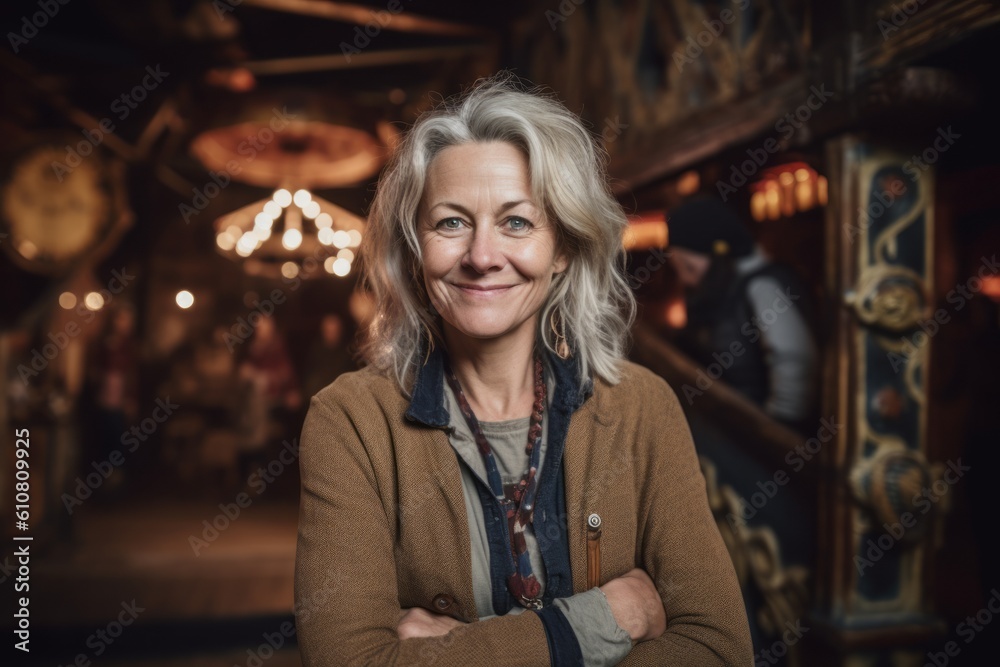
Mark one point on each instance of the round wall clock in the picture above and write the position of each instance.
(53, 214)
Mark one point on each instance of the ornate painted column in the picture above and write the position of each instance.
(880, 498)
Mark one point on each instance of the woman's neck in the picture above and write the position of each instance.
(497, 375)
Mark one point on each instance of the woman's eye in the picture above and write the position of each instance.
(450, 223)
(518, 224)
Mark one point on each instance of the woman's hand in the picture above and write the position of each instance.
(636, 605)
(418, 622)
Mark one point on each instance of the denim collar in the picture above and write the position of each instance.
(428, 399)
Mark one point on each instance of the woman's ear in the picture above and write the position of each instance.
(561, 263)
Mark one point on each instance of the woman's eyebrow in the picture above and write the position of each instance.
(506, 206)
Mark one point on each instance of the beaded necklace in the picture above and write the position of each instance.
(519, 502)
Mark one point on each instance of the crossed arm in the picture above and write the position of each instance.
(633, 598)
(358, 621)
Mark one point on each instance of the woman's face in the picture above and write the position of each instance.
(489, 251)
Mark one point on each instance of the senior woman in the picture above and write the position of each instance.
(499, 486)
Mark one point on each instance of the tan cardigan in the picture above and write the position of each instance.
(383, 527)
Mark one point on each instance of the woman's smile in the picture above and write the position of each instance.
(484, 291)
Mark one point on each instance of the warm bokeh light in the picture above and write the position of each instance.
(311, 209)
(346, 254)
(273, 209)
(67, 300)
(991, 287)
(341, 267)
(688, 183)
(225, 241)
(246, 245)
(27, 249)
(289, 269)
(291, 239)
(787, 190)
(341, 239)
(93, 301)
(283, 198)
(301, 198)
(773, 201)
(184, 299)
(324, 220)
(646, 230)
(676, 314)
(263, 221)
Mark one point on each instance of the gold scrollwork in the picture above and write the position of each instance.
(890, 297)
(756, 556)
(889, 482)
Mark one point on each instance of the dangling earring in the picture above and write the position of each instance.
(561, 344)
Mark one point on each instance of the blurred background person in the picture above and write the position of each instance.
(115, 381)
(270, 393)
(736, 295)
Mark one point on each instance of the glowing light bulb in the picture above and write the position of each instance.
(341, 267)
(283, 198)
(341, 239)
(225, 241)
(93, 301)
(262, 221)
(184, 299)
(272, 209)
(311, 209)
(291, 239)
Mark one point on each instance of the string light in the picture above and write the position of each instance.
(246, 233)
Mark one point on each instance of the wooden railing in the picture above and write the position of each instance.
(760, 434)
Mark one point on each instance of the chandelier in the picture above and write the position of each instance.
(291, 235)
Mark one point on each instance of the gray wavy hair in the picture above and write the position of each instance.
(591, 300)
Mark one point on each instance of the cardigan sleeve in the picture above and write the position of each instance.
(680, 547)
(346, 596)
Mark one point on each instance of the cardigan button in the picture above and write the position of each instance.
(442, 602)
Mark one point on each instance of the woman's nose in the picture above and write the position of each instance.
(485, 252)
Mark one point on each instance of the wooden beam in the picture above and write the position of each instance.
(279, 66)
(706, 135)
(361, 15)
(930, 29)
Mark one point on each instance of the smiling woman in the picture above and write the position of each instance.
(489, 252)
(456, 507)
